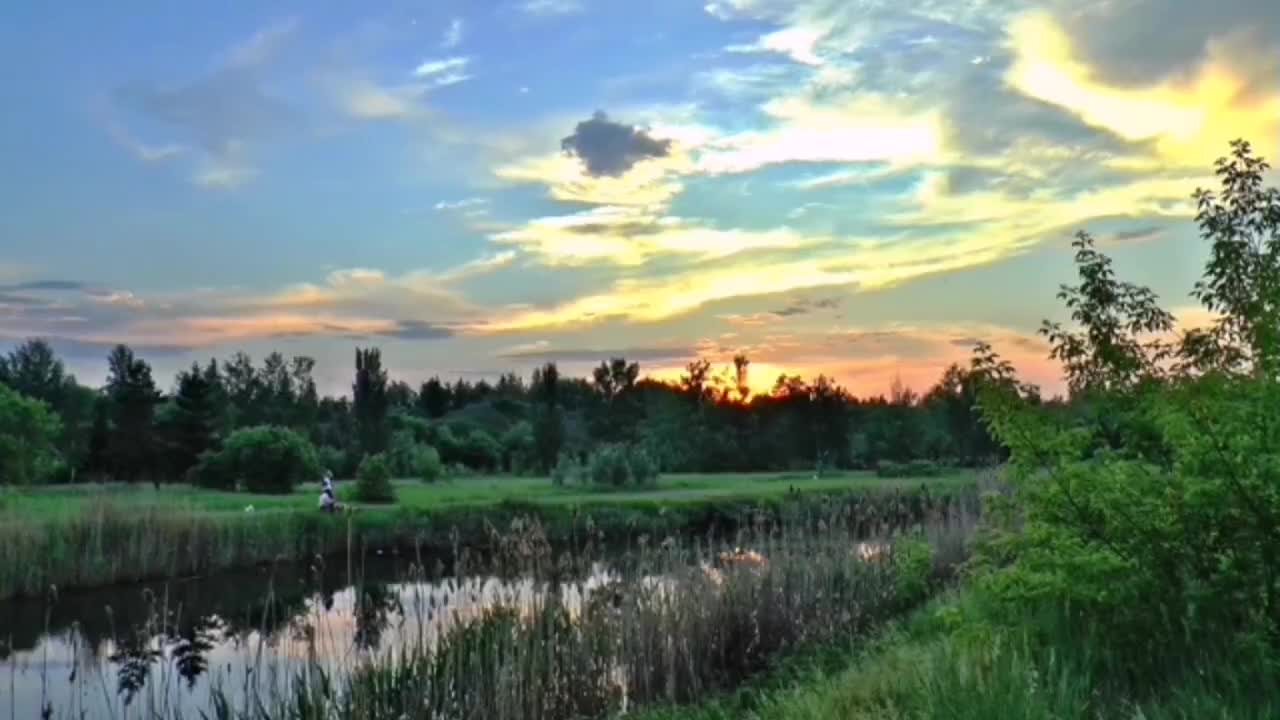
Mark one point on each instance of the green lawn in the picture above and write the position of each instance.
(478, 491)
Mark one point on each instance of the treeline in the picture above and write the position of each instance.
(54, 429)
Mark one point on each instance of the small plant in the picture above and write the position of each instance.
(373, 480)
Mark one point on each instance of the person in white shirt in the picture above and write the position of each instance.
(328, 502)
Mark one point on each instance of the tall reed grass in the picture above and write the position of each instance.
(109, 542)
(675, 621)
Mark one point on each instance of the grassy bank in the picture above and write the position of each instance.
(75, 537)
(944, 663)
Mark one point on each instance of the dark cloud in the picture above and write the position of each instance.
(216, 112)
(1139, 42)
(609, 148)
(804, 306)
(626, 229)
(965, 342)
(45, 285)
(1136, 235)
(23, 300)
(78, 349)
(418, 330)
(639, 354)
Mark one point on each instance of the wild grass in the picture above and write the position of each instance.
(943, 664)
(87, 537)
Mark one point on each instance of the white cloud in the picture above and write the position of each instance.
(551, 7)
(366, 100)
(444, 72)
(453, 34)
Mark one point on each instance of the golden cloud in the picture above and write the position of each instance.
(1188, 119)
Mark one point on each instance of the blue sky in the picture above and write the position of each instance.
(855, 187)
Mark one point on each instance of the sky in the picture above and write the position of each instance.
(861, 188)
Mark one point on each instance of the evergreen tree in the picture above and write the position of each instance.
(434, 398)
(195, 422)
(132, 395)
(369, 401)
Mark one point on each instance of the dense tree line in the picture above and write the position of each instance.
(130, 430)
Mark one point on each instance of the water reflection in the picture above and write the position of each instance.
(157, 648)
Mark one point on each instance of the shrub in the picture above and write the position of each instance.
(565, 470)
(402, 454)
(610, 465)
(427, 464)
(889, 469)
(335, 460)
(373, 480)
(644, 468)
(923, 468)
(263, 459)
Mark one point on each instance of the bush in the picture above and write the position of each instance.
(923, 468)
(609, 466)
(427, 464)
(263, 459)
(335, 460)
(373, 480)
(644, 468)
(565, 470)
(889, 469)
(480, 450)
(913, 469)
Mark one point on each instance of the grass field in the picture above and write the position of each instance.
(478, 492)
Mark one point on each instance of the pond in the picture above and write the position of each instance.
(166, 649)
(128, 651)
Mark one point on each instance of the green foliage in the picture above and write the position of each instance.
(479, 450)
(369, 401)
(566, 469)
(912, 469)
(132, 398)
(1155, 525)
(428, 466)
(28, 430)
(518, 447)
(373, 480)
(264, 459)
(644, 468)
(620, 465)
(609, 466)
(335, 460)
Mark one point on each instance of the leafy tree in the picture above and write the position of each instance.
(1242, 278)
(518, 446)
(400, 396)
(614, 383)
(28, 430)
(262, 459)
(1165, 540)
(132, 397)
(369, 401)
(242, 384)
(1109, 352)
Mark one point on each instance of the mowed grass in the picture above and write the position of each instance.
(475, 491)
